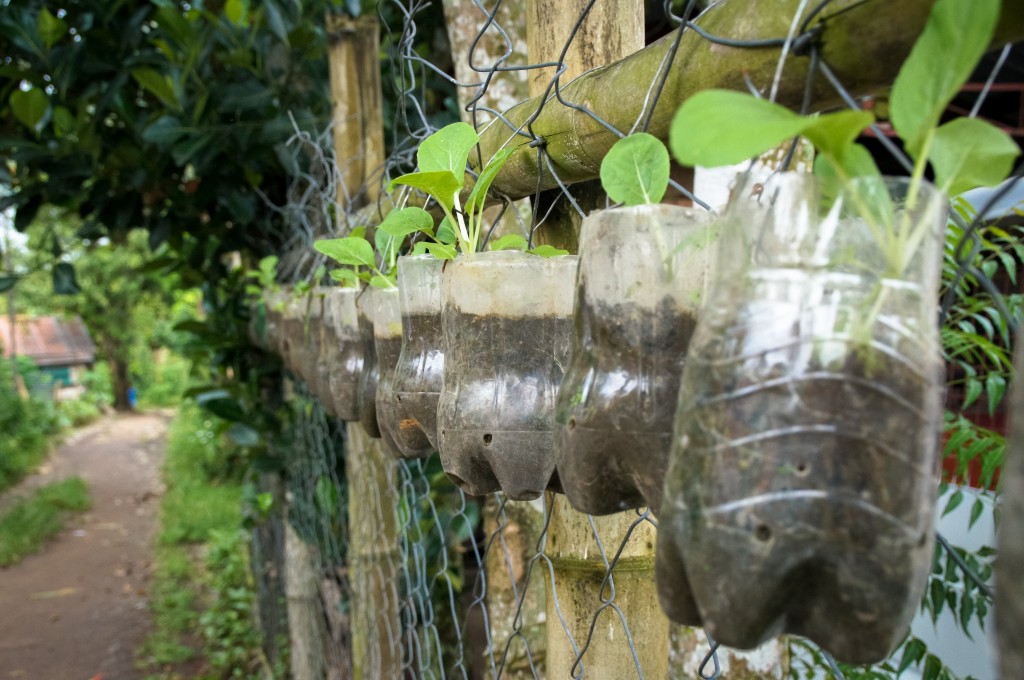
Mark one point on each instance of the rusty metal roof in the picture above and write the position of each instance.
(49, 340)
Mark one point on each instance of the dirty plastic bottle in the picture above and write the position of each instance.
(387, 339)
(420, 370)
(800, 496)
(370, 375)
(342, 351)
(641, 281)
(293, 342)
(507, 319)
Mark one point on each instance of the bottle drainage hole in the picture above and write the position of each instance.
(572, 424)
(763, 533)
(802, 469)
(487, 439)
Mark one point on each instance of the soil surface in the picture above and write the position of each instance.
(78, 609)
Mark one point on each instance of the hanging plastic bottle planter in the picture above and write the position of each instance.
(507, 326)
(641, 280)
(369, 377)
(387, 338)
(294, 341)
(342, 352)
(800, 495)
(420, 370)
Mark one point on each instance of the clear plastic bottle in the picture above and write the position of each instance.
(387, 339)
(507, 319)
(641, 280)
(342, 351)
(800, 495)
(420, 370)
(369, 377)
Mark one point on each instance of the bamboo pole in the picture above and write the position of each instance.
(354, 66)
(306, 630)
(864, 43)
(373, 558)
(611, 31)
(372, 501)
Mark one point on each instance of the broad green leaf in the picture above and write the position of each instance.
(547, 251)
(635, 170)
(483, 182)
(379, 281)
(349, 250)
(721, 127)
(346, 277)
(448, 149)
(63, 120)
(30, 107)
(51, 29)
(157, 84)
(441, 251)
(400, 223)
(442, 185)
(420, 248)
(7, 282)
(510, 242)
(956, 35)
(968, 153)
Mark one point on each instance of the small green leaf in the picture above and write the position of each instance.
(442, 185)
(7, 282)
(834, 134)
(976, 509)
(953, 502)
(420, 248)
(995, 387)
(956, 35)
(164, 131)
(913, 652)
(159, 85)
(547, 251)
(968, 153)
(441, 251)
(400, 223)
(51, 29)
(635, 170)
(350, 250)
(446, 232)
(972, 391)
(380, 281)
(483, 182)
(510, 242)
(448, 149)
(701, 133)
(30, 108)
(346, 277)
(243, 435)
(932, 668)
(237, 11)
(64, 281)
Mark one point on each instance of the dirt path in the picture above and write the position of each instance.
(78, 609)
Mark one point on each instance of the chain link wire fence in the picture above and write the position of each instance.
(474, 587)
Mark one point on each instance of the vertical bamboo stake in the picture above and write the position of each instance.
(354, 65)
(373, 558)
(372, 501)
(305, 609)
(611, 31)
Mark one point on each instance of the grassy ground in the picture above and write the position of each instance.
(201, 574)
(27, 525)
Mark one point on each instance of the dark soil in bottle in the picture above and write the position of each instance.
(418, 380)
(617, 404)
(388, 350)
(496, 413)
(808, 498)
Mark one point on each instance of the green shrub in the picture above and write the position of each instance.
(24, 429)
(231, 639)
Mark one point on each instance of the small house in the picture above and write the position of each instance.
(61, 347)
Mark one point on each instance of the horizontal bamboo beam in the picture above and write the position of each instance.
(864, 43)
